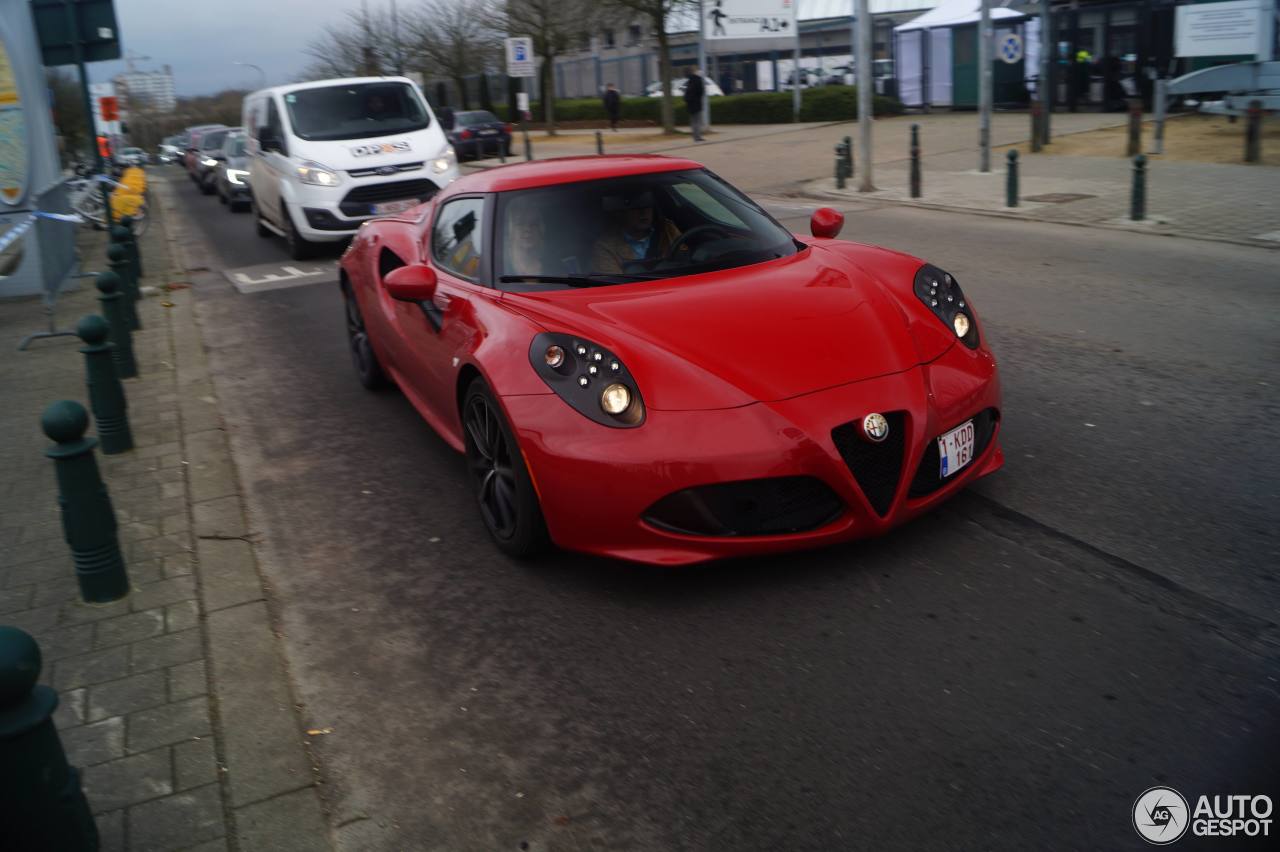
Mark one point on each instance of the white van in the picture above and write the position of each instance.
(325, 156)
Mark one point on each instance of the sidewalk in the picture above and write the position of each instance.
(174, 701)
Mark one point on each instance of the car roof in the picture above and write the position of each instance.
(560, 170)
(324, 84)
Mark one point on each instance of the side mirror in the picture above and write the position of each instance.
(826, 222)
(413, 283)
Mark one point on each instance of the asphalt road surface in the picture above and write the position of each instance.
(1010, 672)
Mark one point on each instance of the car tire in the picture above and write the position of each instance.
(222, 198)
(299, 248)
(259, 224)
(368, 369)
(205, 187)
(503, 489)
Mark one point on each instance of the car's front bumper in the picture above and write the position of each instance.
(330, 214)
(596, 483)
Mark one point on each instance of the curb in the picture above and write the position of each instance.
(271, 782)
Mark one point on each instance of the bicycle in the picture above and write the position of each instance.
(85, 198)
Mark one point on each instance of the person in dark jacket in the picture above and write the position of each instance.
(694, 90)
(612, 105)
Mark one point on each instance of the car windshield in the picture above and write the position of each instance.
(355, 111)
(235, 146)
(471, 119)
(212, 141)
(633, 228)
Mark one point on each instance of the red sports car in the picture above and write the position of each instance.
(639, 362)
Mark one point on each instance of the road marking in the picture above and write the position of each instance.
(271, 276)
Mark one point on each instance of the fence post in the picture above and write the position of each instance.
(1135, 126)
(1036, 111)
(45, 807)
(848, 157)
(1011, 180)
(88, 520)
(840, 164)
(1138, 200)
(108, 284)
(130, 293)
(915, 161)
(106, 394)
(1253, 133)
(599, 142)
(528, 146)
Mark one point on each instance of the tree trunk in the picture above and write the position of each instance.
(664, 74)
(549, 92)
(461, 83)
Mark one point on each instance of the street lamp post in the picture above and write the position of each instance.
(261, 73)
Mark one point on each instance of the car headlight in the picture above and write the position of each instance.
(209, 161)
(593, 380)
(237, 176)
(942, 295)
(318, 175)
(444, 162)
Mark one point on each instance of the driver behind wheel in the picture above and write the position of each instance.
(636, 231)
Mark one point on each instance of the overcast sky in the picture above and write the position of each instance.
(201, 40)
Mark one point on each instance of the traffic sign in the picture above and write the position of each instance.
(520, 57)
(1010, 49)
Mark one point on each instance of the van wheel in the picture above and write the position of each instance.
(263, 230)
(299, 248)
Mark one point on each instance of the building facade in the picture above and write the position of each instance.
(148, 90)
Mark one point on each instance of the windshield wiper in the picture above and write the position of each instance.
(600, 279)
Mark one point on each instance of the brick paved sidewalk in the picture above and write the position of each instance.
(1233, 203)
(174, 701)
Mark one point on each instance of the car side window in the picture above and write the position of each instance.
(456, 236)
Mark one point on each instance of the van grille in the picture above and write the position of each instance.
(359, 201)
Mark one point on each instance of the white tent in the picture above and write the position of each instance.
(930, 35)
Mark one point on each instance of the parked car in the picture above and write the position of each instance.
(597, 413)
(231, 175)
(325, 156)
(711, 87)
(192, 146)
(132, 157)
(479, 132)
(209, 154)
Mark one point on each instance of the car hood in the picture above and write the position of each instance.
(372, 151)
(754, 334)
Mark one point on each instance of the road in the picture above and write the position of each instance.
(1009, 672)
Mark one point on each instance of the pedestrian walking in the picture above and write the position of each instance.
(694, 91)
(612, 105)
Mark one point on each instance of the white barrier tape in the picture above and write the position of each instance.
(60, 217)
(9, 236)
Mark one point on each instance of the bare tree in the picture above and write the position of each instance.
(363, 44)
(656, 14)
(454, 38)
(551, 24)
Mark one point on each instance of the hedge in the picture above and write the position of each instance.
(828, 103)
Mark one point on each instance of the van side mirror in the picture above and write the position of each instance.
(826, 222)
(413, 283)
(268, 141)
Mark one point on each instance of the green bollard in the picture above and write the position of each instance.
(1011, 180)
(599, 143)
(135, 254)
(915, 161)
(1138, 200)
(840, 165)
(88, 521)
(106, 394)
(41, 803)
(528, 146)
(112, 308)
(848, 158)
(117, 259)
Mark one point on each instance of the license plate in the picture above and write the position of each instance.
(394, 206)
(488, 133)
(955, 449)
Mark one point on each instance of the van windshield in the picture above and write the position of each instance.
(355, 111)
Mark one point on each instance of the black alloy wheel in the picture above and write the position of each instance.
(368, 370)
(504, 491)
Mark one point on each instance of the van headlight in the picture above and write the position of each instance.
(318, 175)
(444, 162)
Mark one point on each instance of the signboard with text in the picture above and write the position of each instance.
(736, 19)
(520, 57)
(1221, 29)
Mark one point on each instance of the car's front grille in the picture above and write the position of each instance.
(876, 467)
(360, 201)
(928, 478)
(373, 170)
(775, 506)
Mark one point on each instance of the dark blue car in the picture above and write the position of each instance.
(479, 133)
